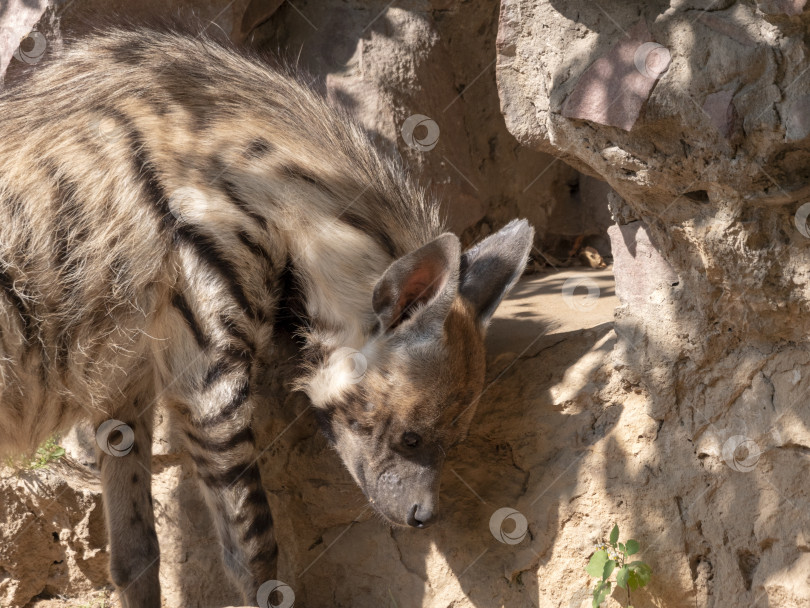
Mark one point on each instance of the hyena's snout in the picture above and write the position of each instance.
(424, 513)
(408, 497)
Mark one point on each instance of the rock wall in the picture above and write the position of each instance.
(436, 61)
(698, 115)
(53, 537)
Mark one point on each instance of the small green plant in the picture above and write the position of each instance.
(613, 557)
(47, 453)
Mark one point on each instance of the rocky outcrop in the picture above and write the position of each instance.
(389, 64)
(52, 531)
(697, 117)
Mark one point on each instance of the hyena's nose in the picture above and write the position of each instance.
(421, 516)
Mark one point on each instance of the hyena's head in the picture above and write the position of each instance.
(394, 407)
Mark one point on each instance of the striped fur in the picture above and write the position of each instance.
(153, 190)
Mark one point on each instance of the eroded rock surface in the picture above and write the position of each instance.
(684, 421)
(713, 172)
(53, 536)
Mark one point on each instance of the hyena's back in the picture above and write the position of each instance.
(129, 153)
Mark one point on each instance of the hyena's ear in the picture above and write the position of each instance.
(420, 286)
(493, 266)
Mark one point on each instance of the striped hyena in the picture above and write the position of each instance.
(154, 191)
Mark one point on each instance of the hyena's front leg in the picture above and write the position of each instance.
(124, 454)
(222, 446)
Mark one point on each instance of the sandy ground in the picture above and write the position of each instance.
(538, 302)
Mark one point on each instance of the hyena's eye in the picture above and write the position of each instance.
(411, 440)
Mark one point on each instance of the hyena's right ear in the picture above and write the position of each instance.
(493, 266)
(419, 287)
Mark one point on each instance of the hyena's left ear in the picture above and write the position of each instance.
(493, 266)
(419, 287)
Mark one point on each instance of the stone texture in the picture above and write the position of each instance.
(786, 7)
(640, 268)
(389, 62)
(583, 218)
(797, 123)
(53, 535)
(713, 170)
(615, 86)
(551, 48)
(256, 13)
(721, 111)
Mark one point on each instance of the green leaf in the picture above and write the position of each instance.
(597, 590)
(621, 577)
(640, 566)
(597, 564)
(601, 593)
(644, 576)
(632, 547)
(622, 548)
(58, 452)
(640, 574)
(609, 566)
(614, 535)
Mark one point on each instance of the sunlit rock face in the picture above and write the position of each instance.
(712, 171)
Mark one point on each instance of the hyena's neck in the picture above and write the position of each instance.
(336, 267)
(342, 226)
(331, 206)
